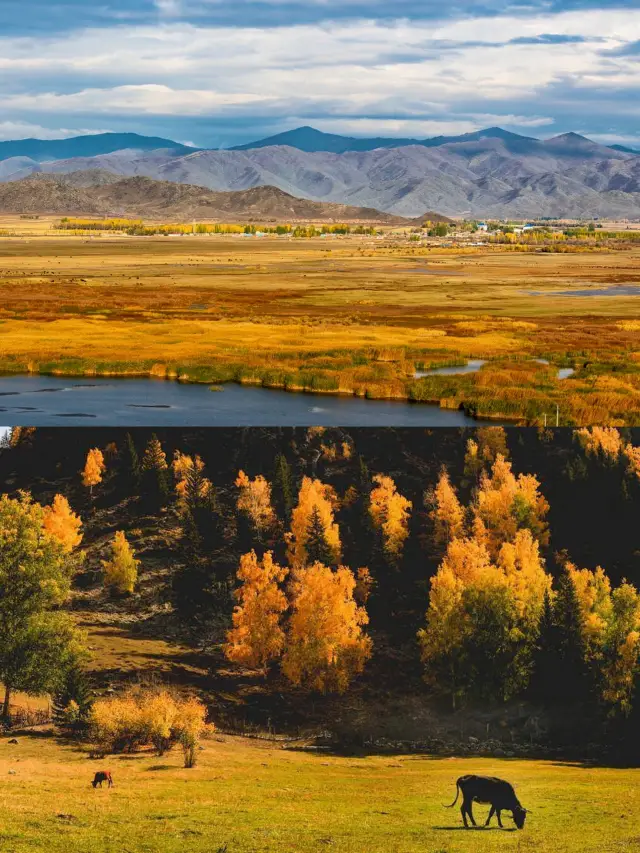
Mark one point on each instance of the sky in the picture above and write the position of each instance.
(216, 73)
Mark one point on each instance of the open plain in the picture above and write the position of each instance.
(351, 315)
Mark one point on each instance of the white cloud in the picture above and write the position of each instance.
(25, 130)
(423, 74)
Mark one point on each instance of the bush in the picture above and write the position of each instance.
(155, 718)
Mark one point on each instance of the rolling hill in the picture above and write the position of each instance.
(98, 192)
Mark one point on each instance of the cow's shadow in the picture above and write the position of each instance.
(472, 828)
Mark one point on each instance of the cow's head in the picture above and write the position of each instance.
(519, 815)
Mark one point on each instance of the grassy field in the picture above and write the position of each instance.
(246, 796)
(339, 315)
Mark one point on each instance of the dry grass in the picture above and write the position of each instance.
(351, 315)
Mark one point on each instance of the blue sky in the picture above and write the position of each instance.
(217, 73)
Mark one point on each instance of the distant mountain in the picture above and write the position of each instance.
(99, 193)
(488, 174)
(624, 149)
(311, 140)
(91, 145)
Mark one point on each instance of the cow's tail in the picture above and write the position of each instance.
(457, 795)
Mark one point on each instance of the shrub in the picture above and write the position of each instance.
(148, 718)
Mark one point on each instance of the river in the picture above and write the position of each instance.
(58, 401)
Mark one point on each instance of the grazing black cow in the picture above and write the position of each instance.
(102, 776)
(487, 789)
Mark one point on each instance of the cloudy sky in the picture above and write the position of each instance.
(216, 73)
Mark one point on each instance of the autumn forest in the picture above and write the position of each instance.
(308, 570)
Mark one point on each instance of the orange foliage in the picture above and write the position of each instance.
(326, 646)
(321, 497)
(61, 522)
(504, 504)
(255, 500)
(257, 636)
(390, 513)
(447, 514)
(94, 468)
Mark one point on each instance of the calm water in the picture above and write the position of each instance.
(470, 367)
(612, 290)
(58, 401)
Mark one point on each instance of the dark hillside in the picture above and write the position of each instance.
(173, 624)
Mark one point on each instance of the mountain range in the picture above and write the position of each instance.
(489, 173)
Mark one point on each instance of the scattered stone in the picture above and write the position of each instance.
(14, 740)
(13, 772)
(68, 817)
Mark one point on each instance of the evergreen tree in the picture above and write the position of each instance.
(317, 547)
(545, 668)
(73, 702)
(134, 459)
(155, 473)
(283, 487)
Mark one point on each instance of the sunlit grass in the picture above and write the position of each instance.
(245, 796)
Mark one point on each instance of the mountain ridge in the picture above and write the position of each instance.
(100, 193)
(88, 145)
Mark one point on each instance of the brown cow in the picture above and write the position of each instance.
(102, 776)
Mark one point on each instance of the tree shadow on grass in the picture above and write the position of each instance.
(155, 767)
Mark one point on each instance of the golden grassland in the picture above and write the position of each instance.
(246, 796)
(349, 315)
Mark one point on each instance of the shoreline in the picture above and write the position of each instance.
(174, 376)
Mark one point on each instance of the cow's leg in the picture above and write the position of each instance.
(463, 811)
(470, 811)
(500, 820)
(491, 814)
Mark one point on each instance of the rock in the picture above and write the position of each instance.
(473, 740)
(14, 740)
(13, 772)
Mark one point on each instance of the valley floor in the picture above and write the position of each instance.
(246, 796)
(351, 316)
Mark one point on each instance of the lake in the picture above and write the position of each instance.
(59, 401)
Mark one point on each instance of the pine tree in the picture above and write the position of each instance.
(317, 547)
(73, 702)
(134, 459)
(156, 471)
(546, 661)
(283, 486)
(571, 677)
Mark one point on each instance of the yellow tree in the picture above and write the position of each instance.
(505, 504)
(94, 468)
(192, 487)
(447, 513)
(326, 645)
(623, 642)
(526, 575)
(257, 636)
(601, 441)
(316, 502)
(61, 522)
(254, 499)
(390, 512)
(121, 571)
